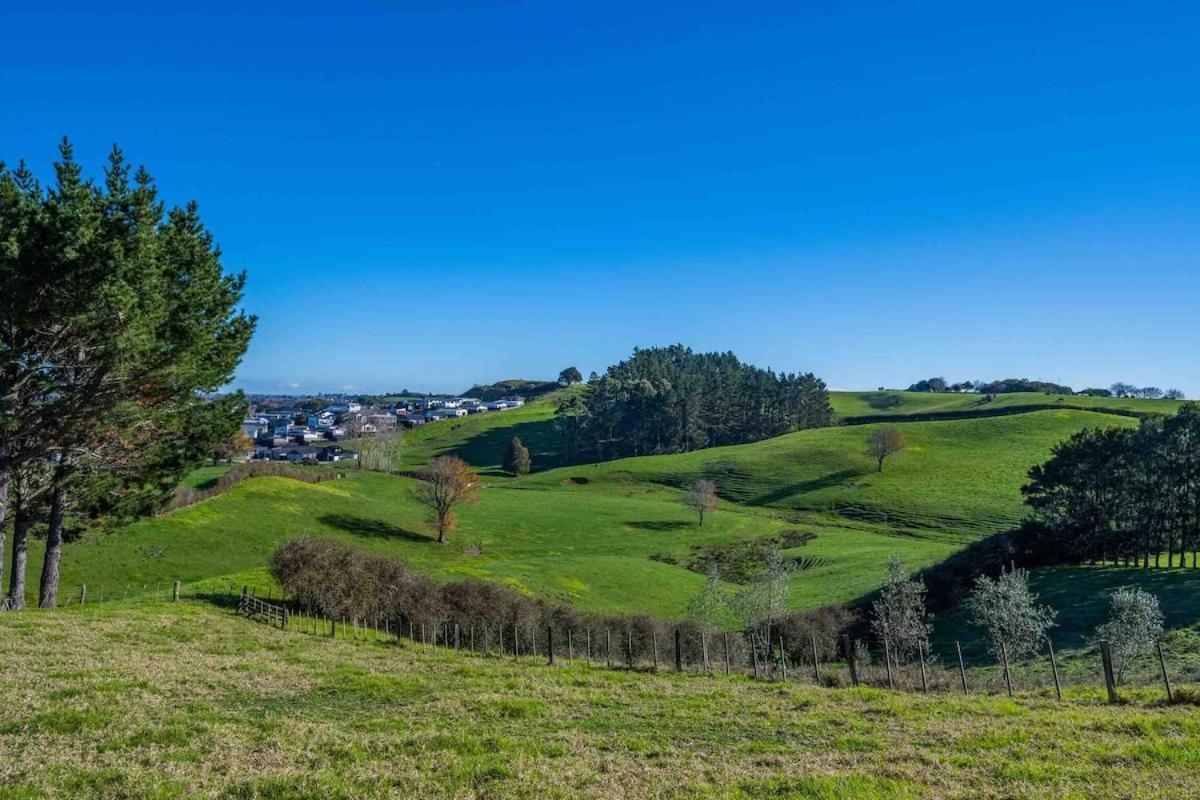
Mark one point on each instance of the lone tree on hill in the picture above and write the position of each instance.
(516, 460)
(884, 442)
(570, 375)
(447, 482)
(701, 497)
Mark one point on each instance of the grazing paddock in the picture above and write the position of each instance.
(170, 699)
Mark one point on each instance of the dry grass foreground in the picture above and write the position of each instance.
(156, 700)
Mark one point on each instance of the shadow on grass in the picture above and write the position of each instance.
(804, 487)
(661, 526)
(377, 528)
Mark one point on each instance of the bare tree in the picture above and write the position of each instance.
(707, 608)
(701, 497)
(761, 604)
(382, 451)
(885, 441)
(447, 482)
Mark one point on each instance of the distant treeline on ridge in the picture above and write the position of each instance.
(671, 400)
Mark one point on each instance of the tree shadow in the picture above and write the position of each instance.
(659, 525)
(804, 487)
(377, 528)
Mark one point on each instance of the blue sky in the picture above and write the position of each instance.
(428, 195)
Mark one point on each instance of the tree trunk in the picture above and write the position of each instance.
(20, 555)
(48, 590)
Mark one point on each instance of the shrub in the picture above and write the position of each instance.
(1135, 624)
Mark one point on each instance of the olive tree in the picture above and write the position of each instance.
(898, 616)
(1134, 626)
(1008, 610)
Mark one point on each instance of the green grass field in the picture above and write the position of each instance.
(613, 537)
(900, 404)
(158, 700)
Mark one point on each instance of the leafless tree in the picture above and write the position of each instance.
(884, 442)
(447, 482)
(382, 451)
(701, 497)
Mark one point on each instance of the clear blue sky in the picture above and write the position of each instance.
(426, 196)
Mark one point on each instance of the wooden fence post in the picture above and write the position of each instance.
(816, 662)
(725, 636)
(82, 593)
(1054, 669)
(678, 651)
(1110, 683)
(921, 656)
(608, 647)
(887, 662)
(570, 646)
(1007, 674)
(654, 643)
(457, 643)
(629, 646)
(175, 592)
(850, 660)
(550, 643)
(782, 658)
(962, 670)
(1162, 662)
(589, 646)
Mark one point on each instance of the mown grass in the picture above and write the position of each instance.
(161, 700)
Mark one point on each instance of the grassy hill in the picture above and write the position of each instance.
(902, 404)
(613, 537)
(162, 700)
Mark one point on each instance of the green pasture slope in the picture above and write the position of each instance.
(613, 536)
(161, 700)
(901, 404)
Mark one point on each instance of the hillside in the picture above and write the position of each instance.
(169, 700)
(613, 537)
(902, 404)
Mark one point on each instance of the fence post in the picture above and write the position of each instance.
(82, 593)
(1110, 683)
(782, 658)
(816, 665)
(678, 651)
(550, 643)
(570, 646)
(887, 661)
(629, 646)
(175, 592)
(608, 647)
(725, 638)
(1007, 674)
(1162, 662)
(457, 648)
(924, 679)
(654, 641)
(850, 660)
(589, 646)
(1054, 669)
(962, 670)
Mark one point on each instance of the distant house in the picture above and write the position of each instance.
(253, 428)
(321, 420)
(307, 435)
(335, 453)
(411, 420)
(294, 454)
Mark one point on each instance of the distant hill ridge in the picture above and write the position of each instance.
(513, 386)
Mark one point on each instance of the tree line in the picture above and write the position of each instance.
(117, 322)
(672, 400)
(1123, 495)
(1011, 385)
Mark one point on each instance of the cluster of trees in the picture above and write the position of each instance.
(1147, 392)
(1121, 494)
(670, 399)
(1016, 624)
(1010, 385)
(117, 321)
